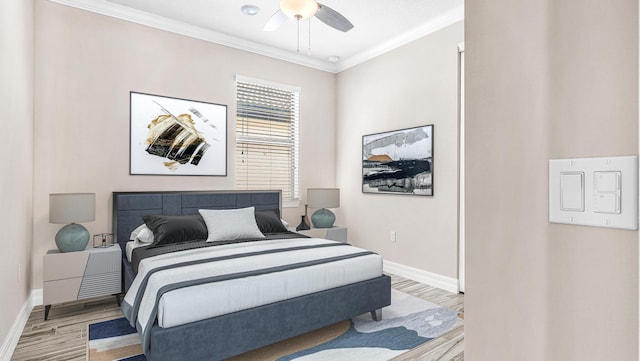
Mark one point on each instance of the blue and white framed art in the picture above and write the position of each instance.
(398, 161)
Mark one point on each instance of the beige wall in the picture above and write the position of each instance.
(86, 64)
(16, 156)
(593, 92)
(414, 85)
(547, 80)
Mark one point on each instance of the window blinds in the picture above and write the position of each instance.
(267, 137)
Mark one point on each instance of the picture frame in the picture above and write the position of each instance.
(174, 136)
(398, 161)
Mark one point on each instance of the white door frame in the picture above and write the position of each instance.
(461, 166)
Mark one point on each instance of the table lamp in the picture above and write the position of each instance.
(70, 208)
(323, 198)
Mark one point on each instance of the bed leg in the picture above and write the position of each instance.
(377, 314)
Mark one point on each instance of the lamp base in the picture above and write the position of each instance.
(323, 218)
(72, 238)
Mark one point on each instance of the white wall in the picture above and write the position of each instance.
(546, 79)
(16, 157)
(86, 65)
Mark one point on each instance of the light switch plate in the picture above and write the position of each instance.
(600, 192)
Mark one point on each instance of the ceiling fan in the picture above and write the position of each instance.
(304, 9)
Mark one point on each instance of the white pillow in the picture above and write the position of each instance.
(136, 231)
(230, 224)
(145, 235)
(142, 234)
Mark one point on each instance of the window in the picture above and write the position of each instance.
(267, 136)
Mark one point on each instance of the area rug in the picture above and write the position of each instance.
(407, 323)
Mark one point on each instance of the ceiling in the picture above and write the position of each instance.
(379, 25)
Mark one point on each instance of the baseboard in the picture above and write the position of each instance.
(11, 341)
(432, 279)
(36, 297)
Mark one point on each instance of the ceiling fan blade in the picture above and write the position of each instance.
(333, 18)
(275, 21)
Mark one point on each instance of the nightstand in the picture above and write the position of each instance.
(335, 233)
(75, 276)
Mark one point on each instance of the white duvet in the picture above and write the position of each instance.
(200, 302)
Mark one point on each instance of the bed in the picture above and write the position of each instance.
(238, 331)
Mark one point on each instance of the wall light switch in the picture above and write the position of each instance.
(572, 191)
(607, 192)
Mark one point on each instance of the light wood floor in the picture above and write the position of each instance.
(448, 347)
(64, 335)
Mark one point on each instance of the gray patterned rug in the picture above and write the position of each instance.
(406, 324)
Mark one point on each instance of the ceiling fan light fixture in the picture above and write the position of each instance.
(250, 9)
(299, 9)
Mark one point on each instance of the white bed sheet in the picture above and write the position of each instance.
(131, 245)
(195, 303)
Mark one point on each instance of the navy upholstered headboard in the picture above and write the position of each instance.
(129, 207)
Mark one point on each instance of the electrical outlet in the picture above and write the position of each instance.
(392, 236)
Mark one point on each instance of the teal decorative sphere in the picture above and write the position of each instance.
(72, 238)
(323, 218)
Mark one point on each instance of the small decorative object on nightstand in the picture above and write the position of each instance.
(323, 198)
(102, 240)
(78, 275)
(70, 208)
(304, 222)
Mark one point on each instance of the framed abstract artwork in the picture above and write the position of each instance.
(398, 162)
(172, 136)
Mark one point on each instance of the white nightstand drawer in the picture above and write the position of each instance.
(58, 266)
(61, 291)
(99, 285)
(106, 260)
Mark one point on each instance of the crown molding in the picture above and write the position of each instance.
(155, 21)
(441, 22)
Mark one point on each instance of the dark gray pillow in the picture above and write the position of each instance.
(176, 229)
(269, 221)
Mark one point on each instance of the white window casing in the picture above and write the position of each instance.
(267, 123)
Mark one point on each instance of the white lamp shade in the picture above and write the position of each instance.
(72, 207)
(302, 8)
(323, 197)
